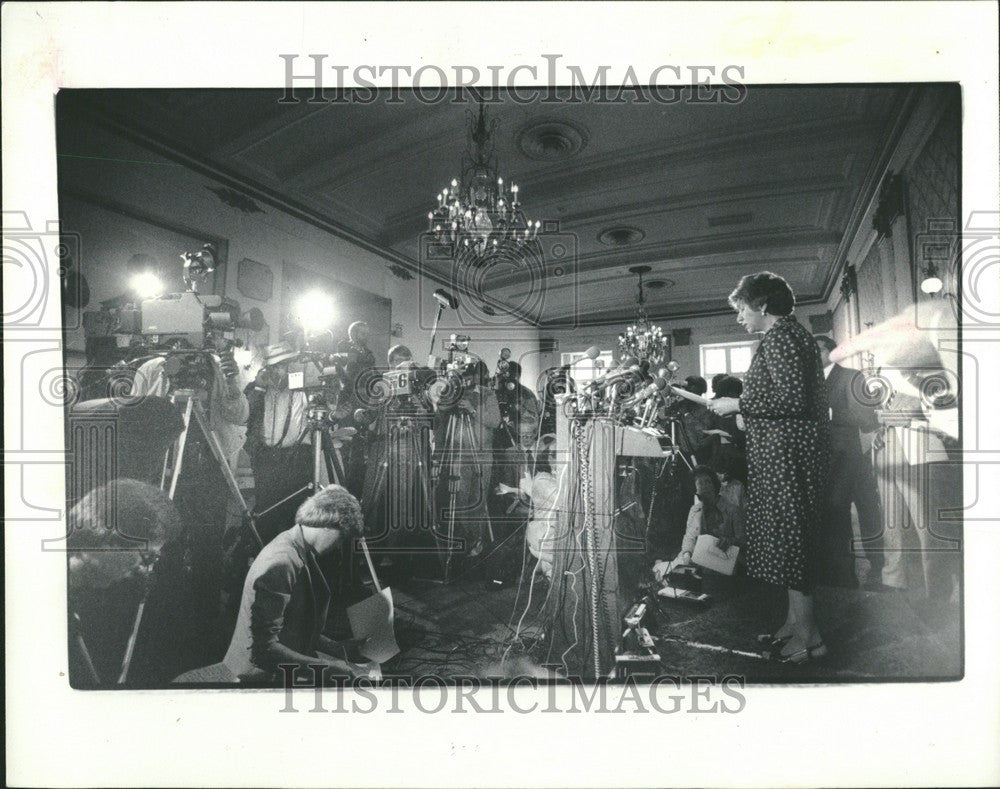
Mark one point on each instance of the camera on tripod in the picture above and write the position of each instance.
(461, 365)
(312, 372)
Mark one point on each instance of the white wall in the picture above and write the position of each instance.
(111, 168)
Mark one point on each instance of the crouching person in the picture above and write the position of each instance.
(286, 598)
(712, 514)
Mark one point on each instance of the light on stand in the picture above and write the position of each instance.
(314, 311)
(146, 285)
(932, 282)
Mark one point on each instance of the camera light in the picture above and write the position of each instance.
(931, 285)
(315, 311)
(146, 285)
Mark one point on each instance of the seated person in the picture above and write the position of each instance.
(116, 533)
(711, 514)
(286, 596)
(538, 486)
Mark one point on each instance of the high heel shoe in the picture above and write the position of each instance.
(814, 652)
(771, 641)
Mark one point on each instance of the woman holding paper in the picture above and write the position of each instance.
(787, 419)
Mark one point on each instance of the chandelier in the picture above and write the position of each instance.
(478, 217)
(643, 340)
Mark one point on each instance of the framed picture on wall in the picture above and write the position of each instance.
(254, 280)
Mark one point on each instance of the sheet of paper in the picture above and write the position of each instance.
(374, 618)
(689, 395)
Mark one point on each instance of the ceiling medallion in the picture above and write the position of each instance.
(621, 236)
(551, 140)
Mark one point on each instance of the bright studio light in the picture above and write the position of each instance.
(931, 285)
(146, 285)
(315, 311)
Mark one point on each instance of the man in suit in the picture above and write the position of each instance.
(286, 596)
(852, 479)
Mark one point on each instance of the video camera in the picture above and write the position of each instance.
(408, 382)
(460, 364)
(312, 372)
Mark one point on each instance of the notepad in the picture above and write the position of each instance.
(707, 554)
(373, 618)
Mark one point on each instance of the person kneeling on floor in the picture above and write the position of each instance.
(711, 514)
(286, 597)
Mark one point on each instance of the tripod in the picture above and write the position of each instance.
(332, 461)
(459, 430)
(193, 405)
(396, 496)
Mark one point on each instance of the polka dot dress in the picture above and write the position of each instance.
(785, 408)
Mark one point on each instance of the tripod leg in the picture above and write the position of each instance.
(179, 447)
(317, 444)
(130, 648)
(227, 472)
(478, 461)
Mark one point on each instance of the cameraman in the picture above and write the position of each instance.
(516, 402)
(278, 442)
(396, 494)
(359, 365)
(202, 494)
(228, 409)
(467, 414)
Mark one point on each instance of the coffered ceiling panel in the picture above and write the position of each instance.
(702, 193)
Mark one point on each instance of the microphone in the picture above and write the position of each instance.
(625, 367)
(445, 299)
(633, 371)
(591, 353)
(657, 386)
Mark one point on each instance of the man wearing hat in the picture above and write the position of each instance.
(278, 441)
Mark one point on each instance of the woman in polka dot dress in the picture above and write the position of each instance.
(785, 409)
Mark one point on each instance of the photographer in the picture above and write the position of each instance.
(516, 402)
(227, 408)
(277, 441)
(397, 478)
(201, 494)
(359, 365)
(467, 415)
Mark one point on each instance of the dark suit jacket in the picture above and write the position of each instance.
(850, 417)
(285, 599)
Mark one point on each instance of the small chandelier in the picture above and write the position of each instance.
(643, 340)
(478, 216)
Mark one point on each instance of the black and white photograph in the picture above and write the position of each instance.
(445, 392)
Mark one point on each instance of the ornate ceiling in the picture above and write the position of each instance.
(702, 193)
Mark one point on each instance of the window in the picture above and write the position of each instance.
(584, 372)
(732, 358)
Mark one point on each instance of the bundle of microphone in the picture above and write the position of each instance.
(630, 392)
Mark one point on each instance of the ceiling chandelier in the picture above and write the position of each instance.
(643, 340)
(478, 217)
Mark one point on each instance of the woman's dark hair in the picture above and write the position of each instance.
(708, 473)
(728, 387)
(696, 384)
(764, 291)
